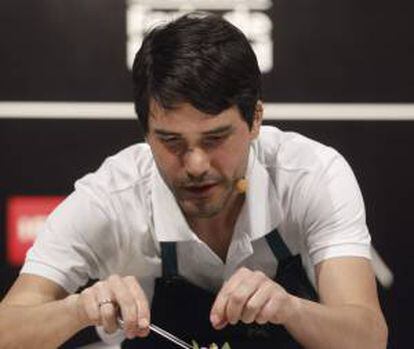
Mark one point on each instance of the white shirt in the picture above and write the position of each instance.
(114, 220)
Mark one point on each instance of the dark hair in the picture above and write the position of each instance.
(199, 59)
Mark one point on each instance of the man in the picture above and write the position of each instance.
(203, 230)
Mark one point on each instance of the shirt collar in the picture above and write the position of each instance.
(261, 212)
(169, 221)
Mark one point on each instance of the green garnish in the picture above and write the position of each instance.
(211, 346)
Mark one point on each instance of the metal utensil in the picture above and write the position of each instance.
(163, 333)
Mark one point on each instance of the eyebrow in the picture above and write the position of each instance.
(218, 130)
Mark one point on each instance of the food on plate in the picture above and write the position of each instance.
(211, 346)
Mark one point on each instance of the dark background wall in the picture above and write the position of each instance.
(336, 51)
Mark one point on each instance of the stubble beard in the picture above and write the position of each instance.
(206, 208)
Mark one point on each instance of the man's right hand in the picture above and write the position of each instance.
(105, 301)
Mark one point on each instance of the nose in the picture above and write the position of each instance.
(196, 163)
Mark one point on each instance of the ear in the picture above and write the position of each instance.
(257, 120)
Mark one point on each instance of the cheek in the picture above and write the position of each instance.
(167, 163)
(232, 160)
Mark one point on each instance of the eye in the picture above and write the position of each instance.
(174, 144)
(213, 141)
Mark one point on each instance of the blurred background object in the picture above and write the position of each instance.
(339, 71)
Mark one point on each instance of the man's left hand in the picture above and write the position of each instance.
(250, 296)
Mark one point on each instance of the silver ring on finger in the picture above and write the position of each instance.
(105, 301)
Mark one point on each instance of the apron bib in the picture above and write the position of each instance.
(184, 309)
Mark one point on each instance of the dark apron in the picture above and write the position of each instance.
(184, 309)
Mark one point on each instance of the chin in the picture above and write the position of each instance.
(194, 211)
(205, 207)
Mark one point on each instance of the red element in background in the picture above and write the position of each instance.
(25, 215)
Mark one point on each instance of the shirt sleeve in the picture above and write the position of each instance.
(334, 223)
(76, 242)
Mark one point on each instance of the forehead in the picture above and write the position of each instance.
(184, 118)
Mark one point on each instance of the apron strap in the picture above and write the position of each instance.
(277, 245)
(169, 259)
(291, 274)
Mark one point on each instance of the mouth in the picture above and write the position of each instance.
(199, 191)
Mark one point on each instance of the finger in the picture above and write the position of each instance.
(141, 304)
(241, 295)
(268, 311)
(127, 304)
(90, 306)
(237, 300)
(107, 309)
(275, 309)
(255, 304)
(218, 316)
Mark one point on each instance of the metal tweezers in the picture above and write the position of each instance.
(163, 333)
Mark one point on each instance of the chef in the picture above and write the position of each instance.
(216, 228)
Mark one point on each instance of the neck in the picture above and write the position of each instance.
(217, 231)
